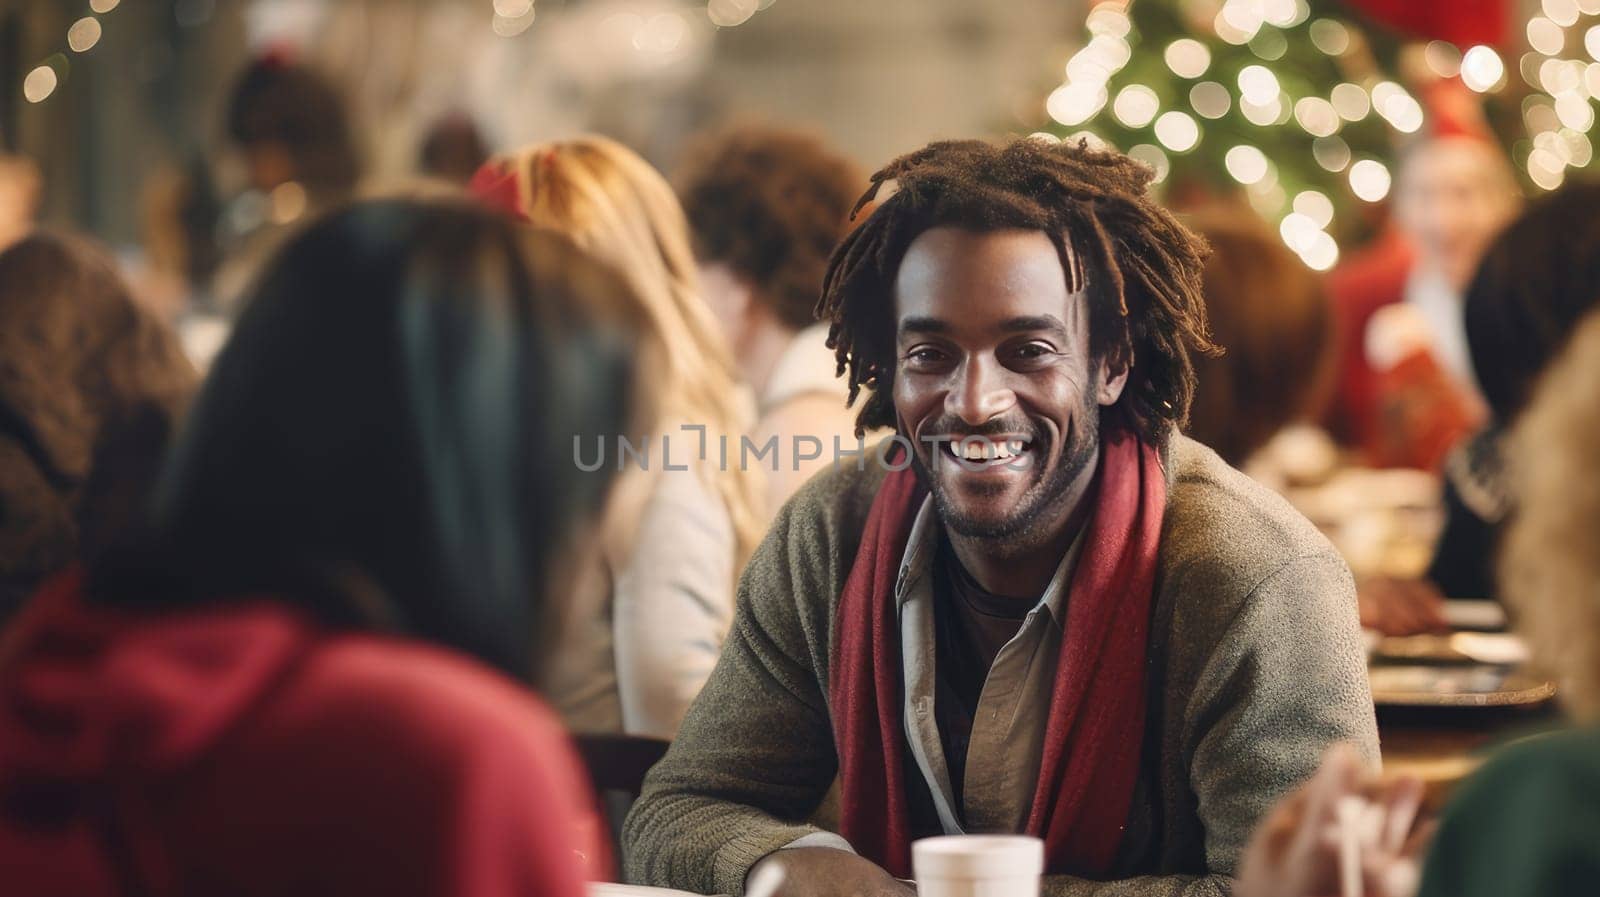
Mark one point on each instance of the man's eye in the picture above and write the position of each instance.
(925, 355)
(1033, 351)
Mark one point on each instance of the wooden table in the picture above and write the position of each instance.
(1444, 743)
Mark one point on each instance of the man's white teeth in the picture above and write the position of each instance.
(985, 451)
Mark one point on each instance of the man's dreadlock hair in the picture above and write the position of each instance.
(1140, 266)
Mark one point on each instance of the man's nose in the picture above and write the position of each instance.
(980, 393)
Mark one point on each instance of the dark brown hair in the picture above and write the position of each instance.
(293, 106)
(1140, 266)
(1535, 282)
(770, 204)
(91, 388)
(1269, 313)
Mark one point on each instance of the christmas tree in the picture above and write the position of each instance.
(1303, 106)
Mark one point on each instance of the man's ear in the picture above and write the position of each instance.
(1112, 377)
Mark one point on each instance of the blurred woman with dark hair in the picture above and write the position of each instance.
(91, 386)
(313, 681)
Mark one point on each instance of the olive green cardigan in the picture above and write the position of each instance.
(1255, 667)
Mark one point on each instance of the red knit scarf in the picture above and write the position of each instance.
(1096, 721)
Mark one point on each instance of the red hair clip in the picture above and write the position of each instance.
(496, 184)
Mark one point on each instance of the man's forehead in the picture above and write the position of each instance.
(1452, 160)
(1000, 275)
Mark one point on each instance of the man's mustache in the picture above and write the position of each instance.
(955, 429)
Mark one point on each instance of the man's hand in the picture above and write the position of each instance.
(1401, 606)
(1295, 850)
(826, 872)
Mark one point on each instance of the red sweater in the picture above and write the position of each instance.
(1412, 414)
(243, 750)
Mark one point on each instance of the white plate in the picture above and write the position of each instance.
(1484, 615)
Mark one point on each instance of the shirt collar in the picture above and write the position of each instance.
(916, 563)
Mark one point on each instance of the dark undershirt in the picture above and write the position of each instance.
(971, 625)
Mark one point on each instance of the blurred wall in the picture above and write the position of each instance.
(886, 76)
(144, 97)
(879, 77)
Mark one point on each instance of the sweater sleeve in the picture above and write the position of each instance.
(1286, 680)
(672, 604)
(755, 754)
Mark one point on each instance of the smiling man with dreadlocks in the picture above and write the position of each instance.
(1037, 608)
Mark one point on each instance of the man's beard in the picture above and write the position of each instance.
(1028, 525)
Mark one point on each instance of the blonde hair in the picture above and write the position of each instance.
(1550, 562)
(614, 205)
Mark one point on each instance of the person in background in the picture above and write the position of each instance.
(178, 231)
(1269, 314)
(1406, 392)
(1536, 281)
(1528, 822)
(91, 388)
(766, 207)
(19, 197)
(312, 677)
(452, 150)
(291, 127)
(1037, 608)
(292, 131)
(648, 624)
(175, 273)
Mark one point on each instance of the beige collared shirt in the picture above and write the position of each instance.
(1007, 738)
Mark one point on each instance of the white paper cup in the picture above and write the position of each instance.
(978, 866)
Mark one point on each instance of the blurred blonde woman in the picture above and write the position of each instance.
(646, 628)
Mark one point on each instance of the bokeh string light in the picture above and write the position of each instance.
(82, 36)
(1177, 131)
(512, 17)
(731, 13)
(1562, 71)
(39, 84)
(1136, 105)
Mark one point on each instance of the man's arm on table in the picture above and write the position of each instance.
(755, 754)
(1286, 679)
